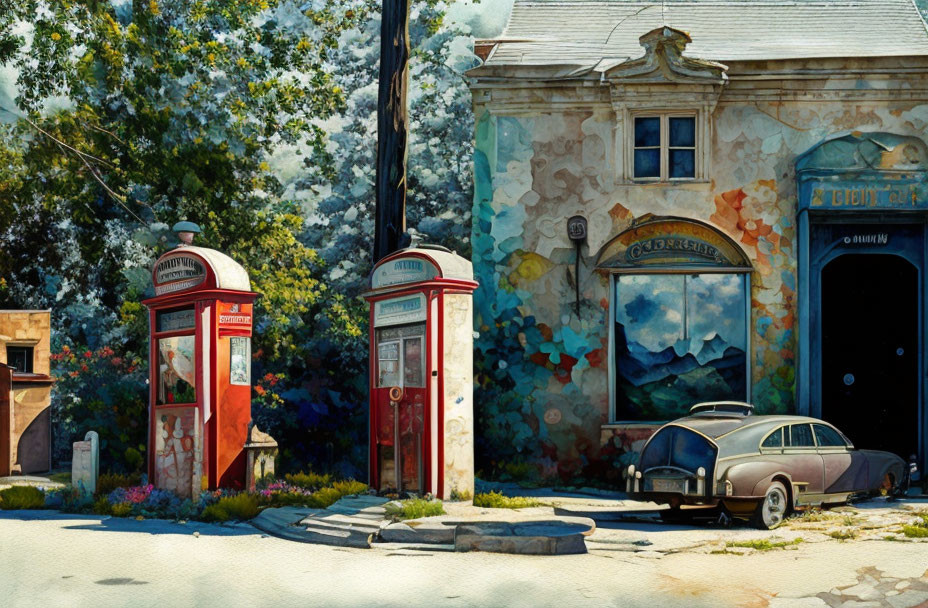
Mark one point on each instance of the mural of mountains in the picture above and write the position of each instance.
(664, 384)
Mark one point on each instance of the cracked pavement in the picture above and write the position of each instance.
(52, 559)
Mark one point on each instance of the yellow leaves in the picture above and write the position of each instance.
(264, 166)
(154, 8)
(242, 62)
(198, 11)
(198, 140)
(56, 36)
(211, 58)
(112, 25)
(303, 44)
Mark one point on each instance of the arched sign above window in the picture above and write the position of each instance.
(665, 243)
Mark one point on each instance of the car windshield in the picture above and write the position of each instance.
(678, 447)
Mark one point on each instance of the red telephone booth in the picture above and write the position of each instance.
(421, 373)
(200, 370)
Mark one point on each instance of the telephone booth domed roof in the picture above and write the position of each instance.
(189, 268)
(229, 273)
(403, 266)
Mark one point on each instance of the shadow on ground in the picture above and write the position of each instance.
(121, 524)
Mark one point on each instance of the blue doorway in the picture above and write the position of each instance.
(862, 221)
(870, 348)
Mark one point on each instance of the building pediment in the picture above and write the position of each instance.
(665, 63)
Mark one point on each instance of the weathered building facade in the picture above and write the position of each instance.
(753, 178)
(25, 391)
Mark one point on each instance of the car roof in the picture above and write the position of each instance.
(713, 425)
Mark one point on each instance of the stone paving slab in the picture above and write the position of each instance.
(353, 521)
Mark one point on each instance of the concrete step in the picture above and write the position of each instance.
(342, 521)
(418, 532)
(413, 546)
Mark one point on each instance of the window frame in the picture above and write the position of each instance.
(30, 357)
(799, 448)
(612, 380)
(155, 341)
(837, 448)
(665, 116)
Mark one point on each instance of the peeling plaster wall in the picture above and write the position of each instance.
(543, 155)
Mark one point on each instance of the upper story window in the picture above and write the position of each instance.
(664, 147)
(20, 357)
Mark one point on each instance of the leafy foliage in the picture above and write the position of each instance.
(133, 115)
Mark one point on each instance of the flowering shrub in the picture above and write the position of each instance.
(134, 495)
(103, 391)
(69, 499)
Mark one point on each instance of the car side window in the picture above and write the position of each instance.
(801, 436)
(827, 437)
(774, 439)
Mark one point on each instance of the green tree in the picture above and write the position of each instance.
(170, 111)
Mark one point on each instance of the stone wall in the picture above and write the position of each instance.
(27, 328)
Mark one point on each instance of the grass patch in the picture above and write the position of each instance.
(915, 531)
(121, 509)
(325, 497)
(62, 477)
(22, 497)
(415, 508)
(920, 528)
(461, 496)
(763, 544)
(102, 506)
(309, 481)
(496, 500)
(240, 506)
(843, 534)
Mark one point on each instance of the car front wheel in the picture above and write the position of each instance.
(773, 508)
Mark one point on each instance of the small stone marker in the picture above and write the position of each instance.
(261, 450)
(85, 462)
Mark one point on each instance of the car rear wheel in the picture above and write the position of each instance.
(773, 508)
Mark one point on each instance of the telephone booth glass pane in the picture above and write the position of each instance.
(412, 362)
(388, 364)
(176, 370)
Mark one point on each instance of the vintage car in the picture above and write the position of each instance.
(724, 457)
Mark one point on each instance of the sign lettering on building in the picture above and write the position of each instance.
(881, 238)
(236, 316)
(403, 270)
(395, 311)
(666, 245)
(857, 195)
(177, 273)
(175, 320)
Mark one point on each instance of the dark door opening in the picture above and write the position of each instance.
(870, 346)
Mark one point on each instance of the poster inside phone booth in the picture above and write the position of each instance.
(200, 372)
(421, 380)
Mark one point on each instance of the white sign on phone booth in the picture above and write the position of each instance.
(422, 348)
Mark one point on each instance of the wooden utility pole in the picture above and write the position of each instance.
(392, 128)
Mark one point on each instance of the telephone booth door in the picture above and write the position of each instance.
(401, 434)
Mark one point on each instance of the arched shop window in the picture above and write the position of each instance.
(679, 321)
